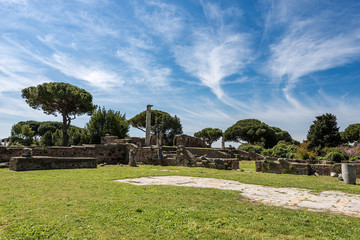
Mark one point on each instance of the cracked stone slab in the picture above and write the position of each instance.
(293, 198)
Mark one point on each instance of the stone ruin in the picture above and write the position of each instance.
(123, 151)
(189, 141)
(29, 162)
(302, 167)
(188, 151)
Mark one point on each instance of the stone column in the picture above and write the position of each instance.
(348, 173)
(160, 149)
(222, 142)
(132, 158)
(148, 125)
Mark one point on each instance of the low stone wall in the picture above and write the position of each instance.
(188, 141)
(119, 154)
(45, 163)
(186, 157)
(210, 153)
(108, 153)
(222, 164)
(302, 168)
(242, 155)
(138, 141)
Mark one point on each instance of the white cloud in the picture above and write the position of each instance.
(214, 56)
(142, 67)
(16, 70)
(305, 49)
(161, 18)
(92, 73)
(14, 1)
(214, 53)
(315, 38)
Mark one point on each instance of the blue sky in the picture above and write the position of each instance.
(211, 63)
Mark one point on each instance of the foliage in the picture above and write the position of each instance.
(324, 133)
(284, 150)
(256, 132)
(160, 122)
(57, 137)
(304, 153)
(354, 158)
(251, 148)
(352, 133)
(49, 126)
(104, 121)
(27, 133)
(335, 156)
(77, 136)
(47, 139)
(352, 152)
(252, 131)
(22, 134)
(60, 98)
(282, 135)
(209, 135)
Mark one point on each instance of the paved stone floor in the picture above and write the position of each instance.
(294, 198)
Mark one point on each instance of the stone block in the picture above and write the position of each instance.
(45, 163)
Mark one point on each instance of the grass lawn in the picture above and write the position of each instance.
(88, 204)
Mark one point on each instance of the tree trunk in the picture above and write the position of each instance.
(66, 124)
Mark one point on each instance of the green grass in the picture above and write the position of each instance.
(88, 204)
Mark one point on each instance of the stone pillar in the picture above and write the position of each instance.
(160, 152)
(222, 142)
(348, 173)
(132, 158)
(148, 125)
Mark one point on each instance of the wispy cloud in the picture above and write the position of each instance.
(93, 73)
(16, 70)
(214, 53)
(143, 68)
(312, 43)
(161, 18)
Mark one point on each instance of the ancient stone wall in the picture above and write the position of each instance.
(302, 168)
(188, 141)
(118, 153)
(44, 163)
(108, 153)
(140, 142)
(243, 155)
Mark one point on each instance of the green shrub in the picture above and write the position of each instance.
(326, 150)
(303, 153)
(283, 150)
(251, 148)
(267, 152)
(291, 155)
(355, 158)
(335, 157)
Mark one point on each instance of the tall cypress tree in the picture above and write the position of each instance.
(324, 132)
